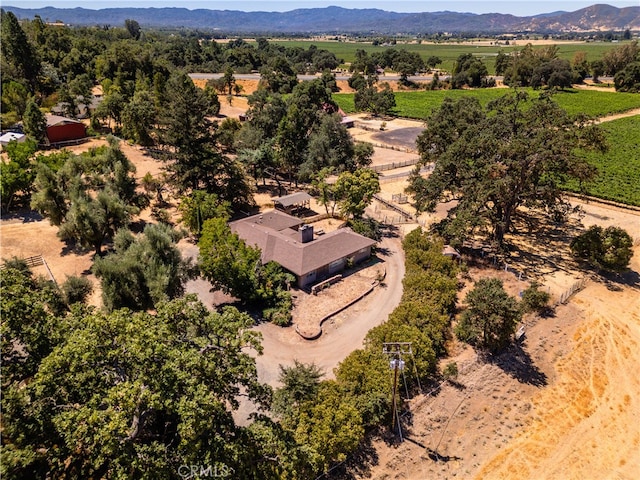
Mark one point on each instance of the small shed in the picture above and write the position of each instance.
(292, 202)
(12, 136)
(62, 129)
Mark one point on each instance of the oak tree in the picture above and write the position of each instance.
(491, 161)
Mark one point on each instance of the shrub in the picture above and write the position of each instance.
(76, 289)
(450, 371)
(533, 299)
(609, 249)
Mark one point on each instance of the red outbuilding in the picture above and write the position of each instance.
(62, 129)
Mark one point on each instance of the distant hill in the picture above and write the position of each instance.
(345, 20)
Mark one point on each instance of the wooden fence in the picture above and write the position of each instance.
(36, 261)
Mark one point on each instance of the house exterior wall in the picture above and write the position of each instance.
(69, 131)
(325, 271)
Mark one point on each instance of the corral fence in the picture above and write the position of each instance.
(36, 261)
(572, 290)
(407, 216)
(394, 165)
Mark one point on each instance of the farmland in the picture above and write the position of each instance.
(450, 52)
(618, 169)
(419, 104)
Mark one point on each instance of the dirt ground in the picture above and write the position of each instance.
(563, 404)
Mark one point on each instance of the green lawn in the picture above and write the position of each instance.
(618, 169)
(419, 104)
(448, 52)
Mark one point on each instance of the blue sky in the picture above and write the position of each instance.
(515, 7)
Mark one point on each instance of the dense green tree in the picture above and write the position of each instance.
(229, 80)
(378, 102)
(14, 102)
(491, 317)
(142, 271)
(34, 121)
(133, 27)
(76, 289)
(327, 429)
(236, 268)
(135, 395)
(199, 207)
(610, 248)
(29, 323)
(326, 191)
(580, 66)
(469, 70)
(502, 63)
(368, 227)
(555, 73)
(330, 145)
(90, 197)
(628, 79)
(355, 191)
(197, 163)
(111, 108)
(17, 175)
(19, 58)
(363, 63)
(597, 70)
(433, 61)
(300, 384)
(139, 117)
(226, 261)
(364, 376)
(423, 360)
(492, 161)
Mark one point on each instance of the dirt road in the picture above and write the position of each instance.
(343, 334)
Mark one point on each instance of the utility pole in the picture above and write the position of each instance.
(395, 350)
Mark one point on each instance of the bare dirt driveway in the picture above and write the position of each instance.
(341, 335)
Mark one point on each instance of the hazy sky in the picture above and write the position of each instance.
(515, 7)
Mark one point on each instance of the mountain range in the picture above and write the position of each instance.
(331, 20)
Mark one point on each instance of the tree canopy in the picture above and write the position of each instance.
(90, 197)
(125, 394)
(143, 271)
(491, 317)
(608, 248)
(491, 161)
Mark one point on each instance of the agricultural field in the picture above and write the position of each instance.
(618, 169)
(420, 104)
(450, 52)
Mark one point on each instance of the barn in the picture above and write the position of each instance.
(63, 129)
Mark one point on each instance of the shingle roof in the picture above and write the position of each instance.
(284, 247)
(293, 199)
(274, 219)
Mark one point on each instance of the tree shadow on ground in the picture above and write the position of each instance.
(390, 231)
(541, 246)
(24, 215)
(359, 463)
(615, 281)
(516, 362)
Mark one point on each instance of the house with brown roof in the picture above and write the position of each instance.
(310, 257)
